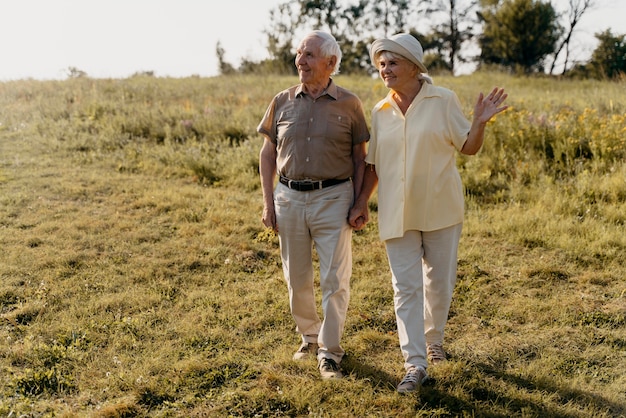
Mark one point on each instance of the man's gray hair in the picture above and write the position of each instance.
(329, 47)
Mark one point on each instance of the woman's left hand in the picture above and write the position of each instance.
(488, 106)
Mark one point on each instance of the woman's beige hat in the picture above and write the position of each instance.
(404, 44)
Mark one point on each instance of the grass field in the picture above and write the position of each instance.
(137, 280)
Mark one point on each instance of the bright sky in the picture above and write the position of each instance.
(42, 39)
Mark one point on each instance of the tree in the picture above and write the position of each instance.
(609, 58)
(346, 24)
(358, 25)
(73, 72)
(224, 67)
(390, 16)
(519, 34)
(577, 9)
(455, 30)
(280, 38)
(326, 13)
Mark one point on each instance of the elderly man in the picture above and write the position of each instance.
(314, 139)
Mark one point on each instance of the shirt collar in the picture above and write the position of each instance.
(427, 91)
(331, 90)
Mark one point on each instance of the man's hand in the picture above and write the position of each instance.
(269, 218)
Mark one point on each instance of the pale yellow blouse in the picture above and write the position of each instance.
(419, 186)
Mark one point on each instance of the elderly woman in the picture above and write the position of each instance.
(416, 131)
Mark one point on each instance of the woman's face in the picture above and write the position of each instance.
(395, 71)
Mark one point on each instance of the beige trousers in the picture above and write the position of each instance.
(317, 218)
(423, 274)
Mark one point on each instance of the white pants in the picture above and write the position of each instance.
(317, 217)
(423, 268)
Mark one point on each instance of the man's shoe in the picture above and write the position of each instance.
(329, 369)
(306, 350)
(413, 379)
(435, 353)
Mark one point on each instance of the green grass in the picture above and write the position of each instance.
(137, 280)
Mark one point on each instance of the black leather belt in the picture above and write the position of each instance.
(308, 185)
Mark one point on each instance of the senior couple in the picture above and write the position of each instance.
(315, 136)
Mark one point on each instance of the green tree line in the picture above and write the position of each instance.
(519, 36)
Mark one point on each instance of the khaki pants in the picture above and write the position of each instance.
(423, 268)
(319, 218)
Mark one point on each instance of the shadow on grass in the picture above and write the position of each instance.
(362, 370)
(484, 399)
(562, 395)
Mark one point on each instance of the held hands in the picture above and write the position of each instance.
(488, 106)
(358, 217)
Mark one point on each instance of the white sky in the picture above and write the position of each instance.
(42, 39)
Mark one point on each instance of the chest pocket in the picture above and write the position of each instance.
(286, 125)
(338, 126)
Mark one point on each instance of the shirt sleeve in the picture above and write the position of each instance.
(360, 130)
(267, 126)
(370, 158)
(458, 124)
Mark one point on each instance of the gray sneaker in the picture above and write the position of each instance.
(329, 369)
(306, 350)
(413, 379)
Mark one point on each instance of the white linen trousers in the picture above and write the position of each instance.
(317, 217)
(423, 274)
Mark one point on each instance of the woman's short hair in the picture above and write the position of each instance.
(388, 55)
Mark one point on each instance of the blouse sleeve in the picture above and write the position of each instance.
(458, 124)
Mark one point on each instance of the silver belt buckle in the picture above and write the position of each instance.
(308, 183)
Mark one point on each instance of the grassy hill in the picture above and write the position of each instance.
(137, 280)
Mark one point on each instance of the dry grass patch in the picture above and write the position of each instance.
(136, 279)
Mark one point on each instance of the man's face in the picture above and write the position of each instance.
(312, 66)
